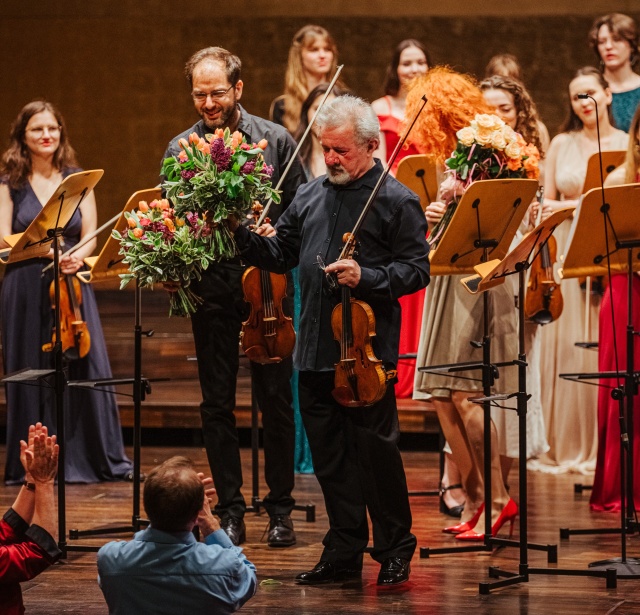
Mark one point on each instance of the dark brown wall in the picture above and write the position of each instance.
(115, 68)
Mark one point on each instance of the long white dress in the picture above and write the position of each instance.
(570, 408)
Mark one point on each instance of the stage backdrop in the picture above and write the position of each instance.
(114, 67)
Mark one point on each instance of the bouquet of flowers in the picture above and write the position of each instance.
(486, 149)
(216, 177)
(160, 246)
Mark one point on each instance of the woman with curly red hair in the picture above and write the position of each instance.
(453, 317)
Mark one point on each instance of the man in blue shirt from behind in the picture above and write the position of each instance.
(164, 569)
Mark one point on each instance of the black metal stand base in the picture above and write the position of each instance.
(492, 543)
(522, 576)
(578, 488)
(628, 569)
(565, 532)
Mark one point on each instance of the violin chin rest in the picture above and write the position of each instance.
(258, 354)
(344, 396)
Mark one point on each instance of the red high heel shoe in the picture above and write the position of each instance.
(509, 513)
(467, 526)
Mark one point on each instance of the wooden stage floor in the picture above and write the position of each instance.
(440, 585)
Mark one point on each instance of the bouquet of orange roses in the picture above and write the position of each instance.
(486, 149)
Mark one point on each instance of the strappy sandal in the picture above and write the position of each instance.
(454, 511)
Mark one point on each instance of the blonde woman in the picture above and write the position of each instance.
(313, 59)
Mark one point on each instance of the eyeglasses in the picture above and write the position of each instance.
(215, 95)
(38, 131)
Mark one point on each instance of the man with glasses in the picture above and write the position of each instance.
(216, 88)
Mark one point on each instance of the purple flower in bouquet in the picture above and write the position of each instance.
(248, 167)
(220, 154)
(267, 170)
(187, 174)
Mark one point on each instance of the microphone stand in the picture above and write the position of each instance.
(624, 394)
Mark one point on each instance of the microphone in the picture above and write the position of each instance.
(595, 102)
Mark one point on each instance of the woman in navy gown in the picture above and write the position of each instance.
(39, 157)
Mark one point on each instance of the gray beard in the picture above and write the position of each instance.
(338, 177)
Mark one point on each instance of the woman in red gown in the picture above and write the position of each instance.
(606, 485)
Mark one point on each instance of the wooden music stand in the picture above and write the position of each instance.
(587, 252)
(36, 241)
(483, 224)
(495, 272)
(605, 238)
(109, 263)
(418, 173)
(610, 160)
(43, 232)
(104, 267)
(490, 208)
(488, 275)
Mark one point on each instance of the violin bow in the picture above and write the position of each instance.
(265, 211)
(84, 240)
(347, 246)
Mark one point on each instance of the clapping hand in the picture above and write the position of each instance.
(42, 456)
(206, 521)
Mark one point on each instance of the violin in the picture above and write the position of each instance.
(360, 378)
(267, 335)
(74, 333)
(543, 301)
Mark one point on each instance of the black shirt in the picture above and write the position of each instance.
(393, 256)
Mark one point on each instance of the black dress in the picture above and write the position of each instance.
(94, 450)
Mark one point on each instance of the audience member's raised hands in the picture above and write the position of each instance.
(34, 430)
(206, 521)
(42, 458)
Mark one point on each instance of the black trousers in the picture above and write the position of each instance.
(359, 467)
(216, 330)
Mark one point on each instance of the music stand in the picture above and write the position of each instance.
(43, 233)
(610, 160)
(104, 267)
(483, 226)
(616, 250)
(418, 173)
(490, 275)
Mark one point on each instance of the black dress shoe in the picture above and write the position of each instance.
(235, 529)
(326, 572)
(281, 532)
(394, 571)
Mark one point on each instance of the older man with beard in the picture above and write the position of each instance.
(354, 450)
(216, 89)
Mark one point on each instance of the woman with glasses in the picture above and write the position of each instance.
(313, 59)
(38, 158)
(612, 355)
